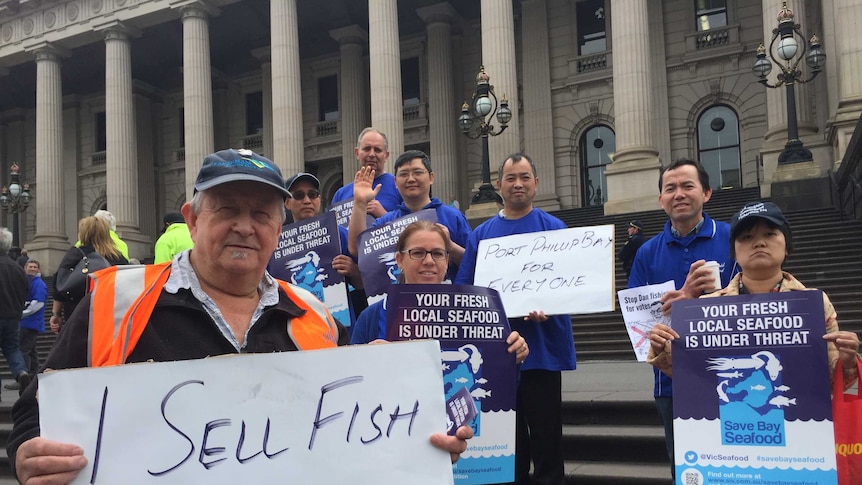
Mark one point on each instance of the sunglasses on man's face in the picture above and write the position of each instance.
(300, 195)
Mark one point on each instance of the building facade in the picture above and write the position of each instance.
(114, 103)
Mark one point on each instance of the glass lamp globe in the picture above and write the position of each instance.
(816, 57)
(787, 48)
(483, 106)
(762, 67)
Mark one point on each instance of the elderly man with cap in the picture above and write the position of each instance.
(174, 240)
(304, 203)
(214, 299)
(630, 248)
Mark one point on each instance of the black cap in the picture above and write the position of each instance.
(637, 224)
(288, 184)
(173, 218)
(760, 210)
(238, 165)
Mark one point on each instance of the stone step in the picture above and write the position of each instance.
(629, 472)
(609, 442)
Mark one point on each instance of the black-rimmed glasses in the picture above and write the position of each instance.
(419, 254)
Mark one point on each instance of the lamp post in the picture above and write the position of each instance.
(786, 40)
(475, 122)
(14, 199)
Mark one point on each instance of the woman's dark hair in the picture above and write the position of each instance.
(750, 222)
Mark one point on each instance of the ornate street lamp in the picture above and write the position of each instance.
(475, 121)
(14, 199)
(786, 42)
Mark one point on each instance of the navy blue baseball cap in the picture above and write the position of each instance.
(758, 210)
(239, 165)
(302, 176)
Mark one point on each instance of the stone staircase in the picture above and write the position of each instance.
(620, 442)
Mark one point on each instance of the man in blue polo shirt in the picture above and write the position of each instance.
(678, 253)
(372, 151)
(413, 179)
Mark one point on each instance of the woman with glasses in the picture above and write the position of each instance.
(422, 256)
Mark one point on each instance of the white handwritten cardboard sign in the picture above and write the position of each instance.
(563, 271)
(359, 415)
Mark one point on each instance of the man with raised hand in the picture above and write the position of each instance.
(372, 151)
(413, 179)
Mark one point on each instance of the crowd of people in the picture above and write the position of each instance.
(210, 291)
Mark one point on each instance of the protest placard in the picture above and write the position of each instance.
(376, 248)
(562, 271)
(256, 418)
(641, 311)
(471, 325)
(304, 256)
(752, 390)
(343, 210)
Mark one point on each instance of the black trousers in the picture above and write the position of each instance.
(27, 337)
(539, 428)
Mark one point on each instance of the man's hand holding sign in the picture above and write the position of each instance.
(205, 421)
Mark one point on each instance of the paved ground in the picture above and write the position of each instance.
(609, 380)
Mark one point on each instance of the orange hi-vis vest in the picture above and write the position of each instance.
(123, 299)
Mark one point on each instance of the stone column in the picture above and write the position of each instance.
(288, 144)
(538, 115)
(387, 114)
(263, 54)
(352, 93)
(197, 90)
(443, 109)
(632, 175)
(846, 60)
(121, 166)
(49, 243)
(498, 57)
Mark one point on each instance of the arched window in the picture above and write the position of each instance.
(597, 146)
(718, 146)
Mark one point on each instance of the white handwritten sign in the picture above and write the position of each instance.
(562, 271)
(257, 418)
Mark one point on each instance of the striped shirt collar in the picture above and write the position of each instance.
(694, 231)
(183, 277)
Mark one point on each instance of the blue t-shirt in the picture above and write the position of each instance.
(389, 197)
(551, 342)
(665, 257)
(371, 324)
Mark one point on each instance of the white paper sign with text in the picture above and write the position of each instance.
(359, 415)
(563, 271)
(641, 311)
